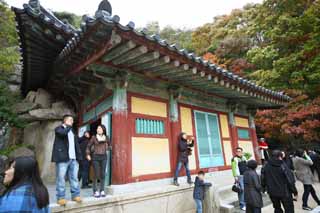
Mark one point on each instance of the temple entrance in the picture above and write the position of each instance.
(105, 119)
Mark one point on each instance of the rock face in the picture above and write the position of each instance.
(42, 114)
(3, 164)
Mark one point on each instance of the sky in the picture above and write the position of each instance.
(177, 13)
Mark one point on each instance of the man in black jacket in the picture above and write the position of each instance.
(279, 182)
(84, 163)
(66, 152)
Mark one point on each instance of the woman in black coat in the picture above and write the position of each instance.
(184, 148)
(252, 189)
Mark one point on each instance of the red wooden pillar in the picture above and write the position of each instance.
(121, 146)
(254, 136)
(233, 131)
(175, 127)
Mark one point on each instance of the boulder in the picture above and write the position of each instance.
(24, 107)
(49, 114)
(22, 151)
(31, 96)
(43, 98)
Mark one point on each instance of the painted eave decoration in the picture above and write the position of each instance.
(103, 43)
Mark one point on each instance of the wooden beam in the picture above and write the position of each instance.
(115, 39)
(118, 51)
(143, 59)
(173, 71)
(130, 55)
(164, 68)
(158, 62)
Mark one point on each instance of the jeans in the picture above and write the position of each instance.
(198, 205)
(186, 166)
(99, 167)
(308, 189)
(62, 169)
(252, 209)
(84, 172)
(241, 194)
(287, 203)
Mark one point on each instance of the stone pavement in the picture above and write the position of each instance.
(298, 204)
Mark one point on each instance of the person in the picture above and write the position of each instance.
(66, 152)
(263, 147)
(287, 159)
(315, 157)
(239, 166)
(252, 188)
(199, 190)
(25, 190)
(97, 152)
(302, 163)
(84, 163)
(279, 182)
(184, 148)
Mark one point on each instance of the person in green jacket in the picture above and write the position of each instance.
(239, 166)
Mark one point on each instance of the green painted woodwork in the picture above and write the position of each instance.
(149, 127)
(208, 140)
(243, 134)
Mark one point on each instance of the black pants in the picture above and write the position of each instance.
(84, 172)
(287, 203)
(99, 167)
(252, 209)
(308, 189)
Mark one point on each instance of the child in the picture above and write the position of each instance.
(252, 188)
(198, 193)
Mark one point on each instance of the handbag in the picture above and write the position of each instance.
(236, 187)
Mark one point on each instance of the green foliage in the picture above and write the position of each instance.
(182, 37)
(9, 57)
(247, 155)
(68, 17)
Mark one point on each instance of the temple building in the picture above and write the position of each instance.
(143, 89)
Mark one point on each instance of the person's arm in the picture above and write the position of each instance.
(62, 131)
(88, 149)
(202, 183)
(290, 179)
(235, 168)
(256, 182)
(306, 161)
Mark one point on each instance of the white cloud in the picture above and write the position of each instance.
(177, 13)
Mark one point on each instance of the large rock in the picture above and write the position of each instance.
(21, 152)
(41, 136)
(43, 98)
(31, 97)
(24, 107)
(50, 114)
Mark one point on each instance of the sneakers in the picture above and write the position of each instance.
(77, 199)
(307, 208)
(62, 202)
(96, 194)
(243, 209)
(175, 182)
(103, 194)
(190, 181)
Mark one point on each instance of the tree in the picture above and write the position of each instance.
(68, 17)
(9, 57)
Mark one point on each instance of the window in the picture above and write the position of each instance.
(243, 134)
(149, 127)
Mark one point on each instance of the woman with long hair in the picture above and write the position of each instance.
(26, 191)
(302, 163)
(97, 152)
